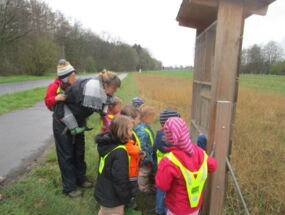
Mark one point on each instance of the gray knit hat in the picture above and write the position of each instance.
(166, 114)
(64, 69)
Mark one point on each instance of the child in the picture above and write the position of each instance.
(55, 95)
(161, 148)
(137, 102)
(112, 190)
(185, 162)
(114, 110)
(146, 142)
(133, 151)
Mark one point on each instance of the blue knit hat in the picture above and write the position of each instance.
(202, 142)
(137, 101)
(167, 113)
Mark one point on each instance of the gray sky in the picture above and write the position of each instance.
(152, 24)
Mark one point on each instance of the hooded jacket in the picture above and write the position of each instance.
(112, 186)
(169, 178)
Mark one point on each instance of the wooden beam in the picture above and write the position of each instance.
(229, 31)
(207, 3)
(221, 140)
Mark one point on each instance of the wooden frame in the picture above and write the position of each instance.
(219, 25)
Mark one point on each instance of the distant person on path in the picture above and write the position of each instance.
(185, 162)
(112, 190)
(83, 98)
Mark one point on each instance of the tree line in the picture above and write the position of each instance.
(33, 38)
(263, 59)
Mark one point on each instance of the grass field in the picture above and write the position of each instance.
(21, 100)
(257, 151)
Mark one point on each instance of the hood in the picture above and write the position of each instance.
(190, 162)
(106, 142)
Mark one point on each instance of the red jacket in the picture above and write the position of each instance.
(170, 179)
(52, 92)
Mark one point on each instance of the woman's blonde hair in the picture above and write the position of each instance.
(146, 111)
(120, 126)
(109, 78)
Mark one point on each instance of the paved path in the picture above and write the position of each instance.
(27, 85)
(24, 135)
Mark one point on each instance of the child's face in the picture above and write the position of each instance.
(149, 119)
(116, 109)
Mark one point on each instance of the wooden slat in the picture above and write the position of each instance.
(202, 83)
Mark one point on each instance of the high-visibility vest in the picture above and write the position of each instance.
(137, 139)
(194, 185)
(59, 90)
(149, 134)
(111, 116)
(102, 159)
(159, 155)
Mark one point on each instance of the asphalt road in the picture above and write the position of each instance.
(27, 85)
(24, 135)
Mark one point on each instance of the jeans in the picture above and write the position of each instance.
(159, 202)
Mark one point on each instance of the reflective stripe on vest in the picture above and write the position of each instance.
(150, 135)
(194, 185)
(111, 116)
(137, 139)
(159, 155)
(59, 90)
(102, 159)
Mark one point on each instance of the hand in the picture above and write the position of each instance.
(60, 97)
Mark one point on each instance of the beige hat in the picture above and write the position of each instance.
(64, 68)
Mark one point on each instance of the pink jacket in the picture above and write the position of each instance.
(170, 179)
(106, 121)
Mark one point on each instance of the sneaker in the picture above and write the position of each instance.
(86, 184)
(74, 194)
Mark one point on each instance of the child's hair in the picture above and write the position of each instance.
(130, 111)
(116, 101)
(109, 78)
(119, 128)
(146, 111)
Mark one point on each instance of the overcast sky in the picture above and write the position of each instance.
(152, 24)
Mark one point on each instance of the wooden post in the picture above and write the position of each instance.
(230, 23)
(221, 141)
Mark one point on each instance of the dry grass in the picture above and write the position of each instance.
(162, 91)
(258, 143)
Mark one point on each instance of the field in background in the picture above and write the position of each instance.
(257, 152)
(258, 149)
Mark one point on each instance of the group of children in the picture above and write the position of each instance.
(132, 159)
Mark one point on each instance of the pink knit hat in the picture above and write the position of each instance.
(177, 133)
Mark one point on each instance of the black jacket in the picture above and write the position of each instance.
(112, 187)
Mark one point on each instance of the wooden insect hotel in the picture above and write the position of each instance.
(219, 28)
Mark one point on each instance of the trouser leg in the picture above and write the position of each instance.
(65, 156)
(79, 155)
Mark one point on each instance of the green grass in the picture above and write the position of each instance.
(270, 83)
(17, 78)
(20, 100)
(176, 73)
(40, 191)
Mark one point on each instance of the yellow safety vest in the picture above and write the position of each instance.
(102, 159)
(149, 134)
(194, 185)
(111, 116)
(159, 155)
(59, 90)
(137, 139)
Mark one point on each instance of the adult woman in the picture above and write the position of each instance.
(83, 98)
